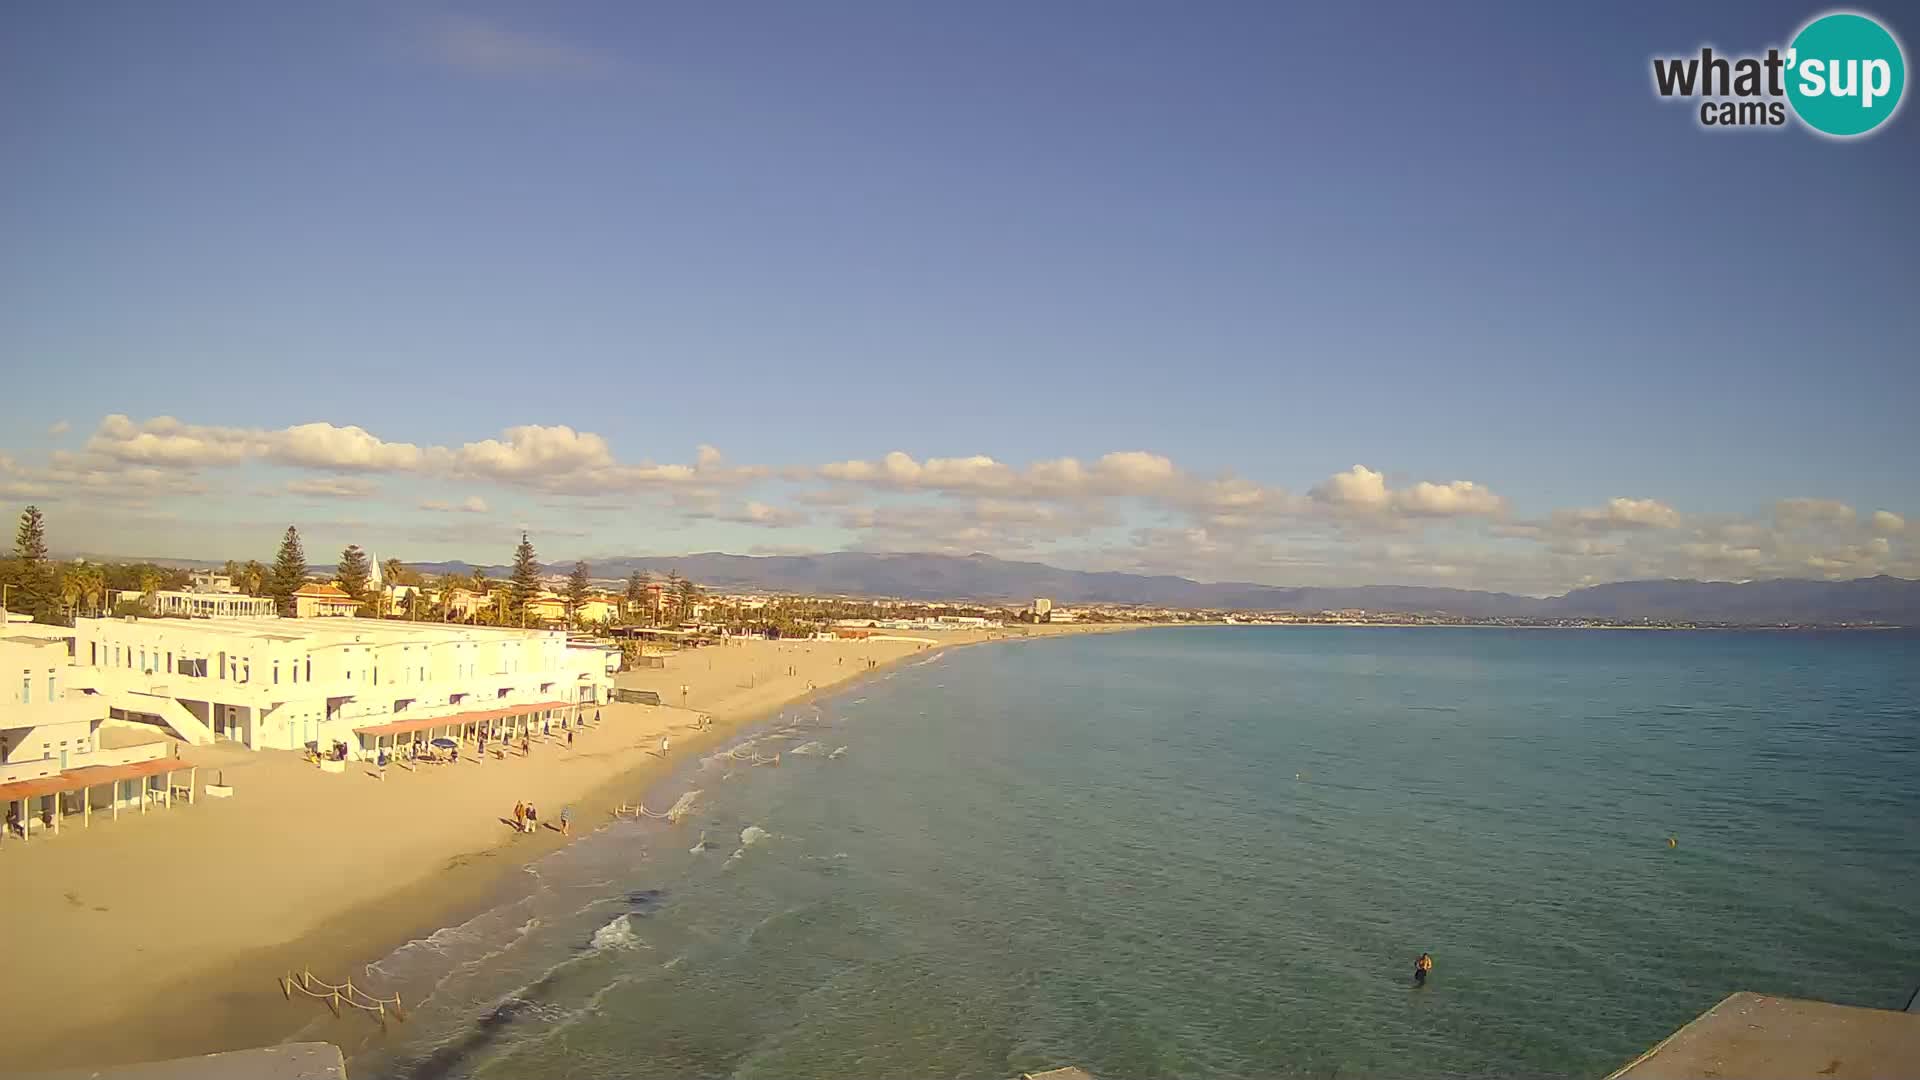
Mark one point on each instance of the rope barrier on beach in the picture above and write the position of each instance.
(335, 995)
(681, 808)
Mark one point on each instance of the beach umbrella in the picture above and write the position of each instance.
(445, 743)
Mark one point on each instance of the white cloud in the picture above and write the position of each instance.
(759, 513)
(58, 428)
(167, 442)
(324, 446)
(1617, 515)
(1460, 497)
(472, 504)
(488, 48)
(1886, 521)
(1358, 486)
(1802, 513)
(332, 487)
(531, 450)
(553, 458)
(1364, 490)
(1125, 472)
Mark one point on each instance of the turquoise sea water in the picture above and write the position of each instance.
(1216, 852)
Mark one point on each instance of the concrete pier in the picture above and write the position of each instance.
(1757, 1035)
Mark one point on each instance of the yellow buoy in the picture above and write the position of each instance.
(1673, 841)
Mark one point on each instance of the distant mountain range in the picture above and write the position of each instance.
(983, 577)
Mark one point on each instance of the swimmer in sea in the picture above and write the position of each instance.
(1420, 969)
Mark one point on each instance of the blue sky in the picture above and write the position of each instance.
(1263, 246)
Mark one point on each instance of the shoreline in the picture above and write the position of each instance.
(230, 998)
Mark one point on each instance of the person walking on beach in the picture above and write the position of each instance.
(533, 818)
(665, 745)
(1420, 969)
(569, 739)
(566, 819)
(520, 817)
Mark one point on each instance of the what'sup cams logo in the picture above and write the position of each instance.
(1843, 75)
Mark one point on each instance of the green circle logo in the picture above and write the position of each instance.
(1845, 74)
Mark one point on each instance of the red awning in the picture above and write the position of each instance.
(40, 785)
(401, 727)
(91, 776)
(94, 775)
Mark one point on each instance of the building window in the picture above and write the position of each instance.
(309, 669)
(276, 673)
(53, 686)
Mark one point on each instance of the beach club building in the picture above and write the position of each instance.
(285, 684)
(59, 754)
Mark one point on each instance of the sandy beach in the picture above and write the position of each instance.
(163, 935)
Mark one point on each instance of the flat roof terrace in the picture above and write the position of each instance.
(1760, 1035)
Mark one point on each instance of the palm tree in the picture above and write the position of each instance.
(72, 587)
(93, 585)
(252, 577)
(149, 584)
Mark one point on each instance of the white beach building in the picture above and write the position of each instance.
(207, 596)
(59, 754)
(288, 683)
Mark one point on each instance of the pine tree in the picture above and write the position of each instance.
(670, 594)
(689, 595)
(355, 573)
(579, 586)
(37, 592)
(526, 580)
(289, 571)
(637, 591)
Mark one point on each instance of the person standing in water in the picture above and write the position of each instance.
(1420, 969)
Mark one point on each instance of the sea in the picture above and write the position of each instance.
(1217, 852)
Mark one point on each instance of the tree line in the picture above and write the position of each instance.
(60, 592)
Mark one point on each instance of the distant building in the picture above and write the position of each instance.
(465, 603)
(199, 605)
(399, 599)
(1062, 615)
(597, 609)
(1041, 606)
(207, 581)
(546, 607)
(208, 595)
(314, 601)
